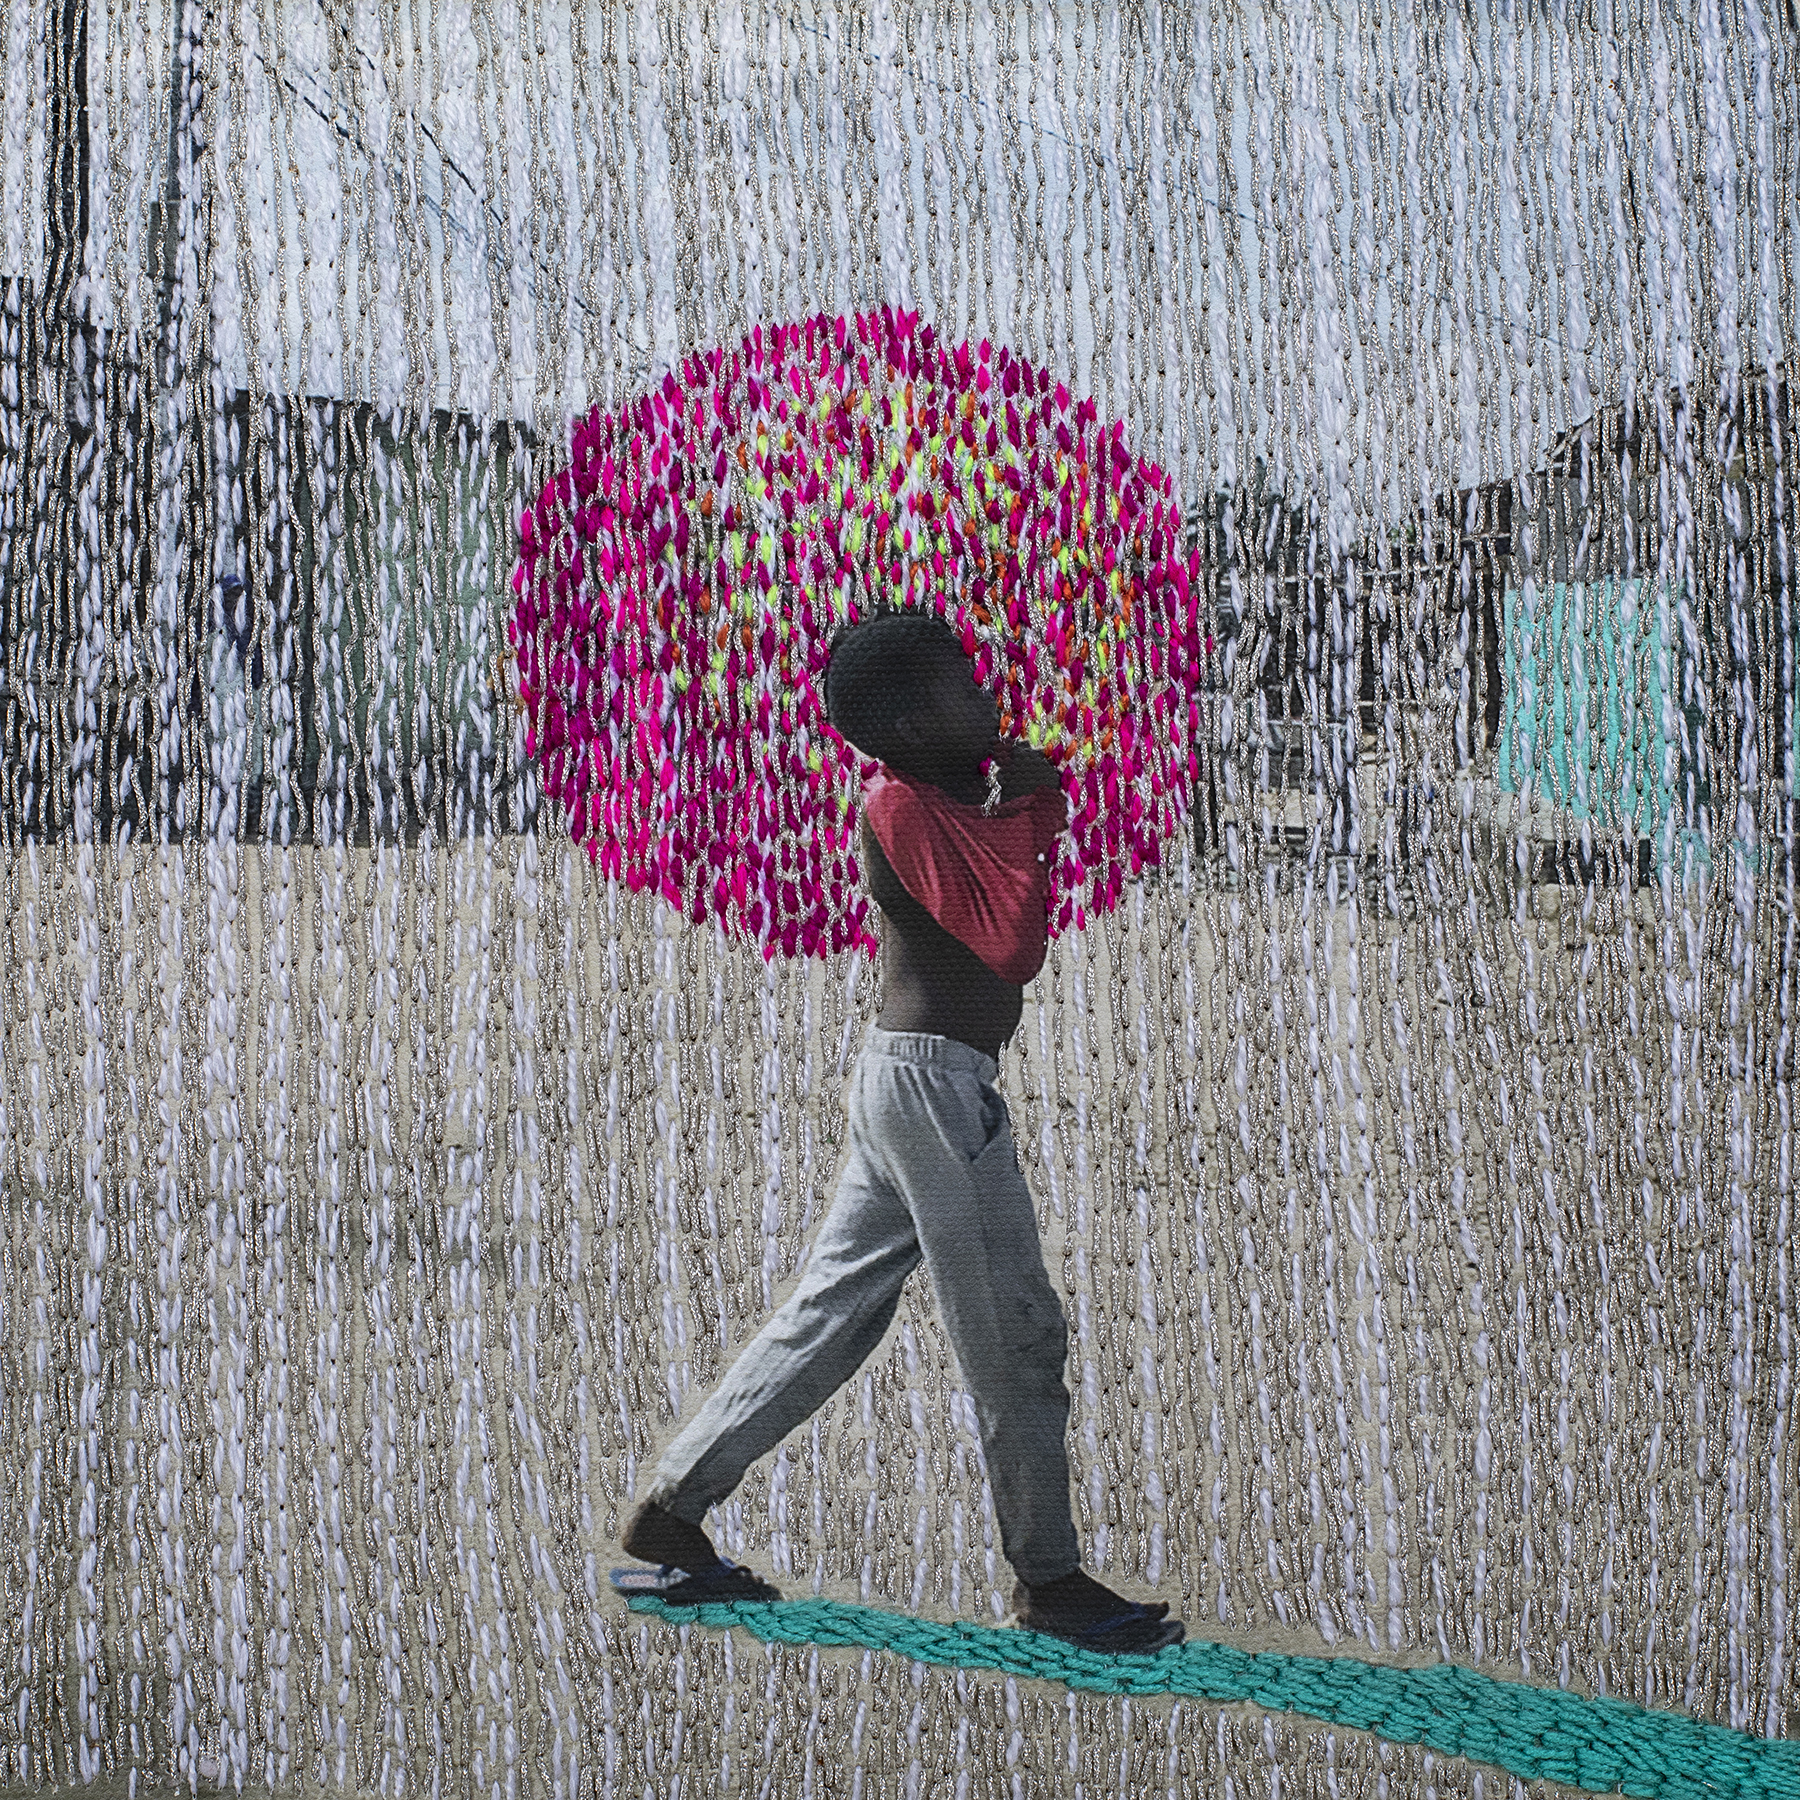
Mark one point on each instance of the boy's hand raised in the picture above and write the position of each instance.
(1023, 770)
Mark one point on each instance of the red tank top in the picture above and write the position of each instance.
(985, 879)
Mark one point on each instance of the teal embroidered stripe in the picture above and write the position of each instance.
(1604, 1745)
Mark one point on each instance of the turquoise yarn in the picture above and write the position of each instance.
(1603, 1745)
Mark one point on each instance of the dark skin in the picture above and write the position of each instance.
(932, 983)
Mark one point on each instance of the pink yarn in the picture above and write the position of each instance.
(679, 582)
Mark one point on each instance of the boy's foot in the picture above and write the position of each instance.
(689, 1570)
(655, 1536)
(1078, 1609)
(724, 1581)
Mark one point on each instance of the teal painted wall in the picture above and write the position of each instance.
(1590, 718)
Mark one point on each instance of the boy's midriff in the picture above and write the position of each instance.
(932, 982)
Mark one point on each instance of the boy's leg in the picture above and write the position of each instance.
(946, 1143)
(813, 1343)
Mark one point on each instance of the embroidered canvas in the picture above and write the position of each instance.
(434, 442)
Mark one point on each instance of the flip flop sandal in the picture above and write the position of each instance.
(1138, 1631)
(722, 1581)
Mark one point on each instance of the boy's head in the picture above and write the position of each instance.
(899, 688)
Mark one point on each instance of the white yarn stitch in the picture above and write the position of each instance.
(1327, 1060)
(1687, 1105)
(18, 205)
(1612, 179)
(836, 134)
(393, 1753)
(1531, 651)
(665, 1154)
(1003, 246)
(582, 1232)
(1081, 1227)
(33, 1748)
(1329, 346)
(1223, 436)
(1675, 333)
(328, 1466)
(1367, 303)
(530, 1251)
(397, 617)
(783, 189)
(746, 239)
(88, 393)
(659, 204)
(1523, 447)
(1049, 1115)
(1052, 151)
(1203, 1282)
(1768, 314)
(807, 1092)
(171, 1236)
(1166, 407)
(1270, 381)
(275, 1393)
(1741, 855)
(1109, 338)
(517, 367)
(1155, 1492)
(502, 1746)
(891, 201)
(921, 1486)
(462, 1243)
(1474, 1267)
(710, 1195)
(1571, 273)
(696, 103)
(1373, 1324)
(557, 76)
(938, 273)
(771, 1135)
(133, 1622)
(93, 287)
(1468, 468)
(614, 1182)
(227, 1304)
(277, 1123)
(1771, 336)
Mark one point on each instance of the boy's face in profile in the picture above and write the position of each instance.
(954, 729)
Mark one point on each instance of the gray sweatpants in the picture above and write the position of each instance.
(932, 1173)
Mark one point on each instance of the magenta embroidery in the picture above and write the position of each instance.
(679, 582)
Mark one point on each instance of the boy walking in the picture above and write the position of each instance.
(932, 1173)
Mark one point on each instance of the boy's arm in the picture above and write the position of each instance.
(883, 885)
(1023, 770)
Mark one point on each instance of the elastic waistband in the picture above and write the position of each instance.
(946, 1053)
